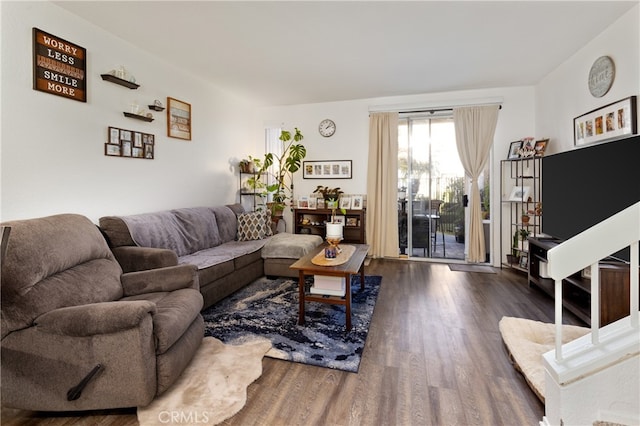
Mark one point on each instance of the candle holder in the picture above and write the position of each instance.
(332, 251)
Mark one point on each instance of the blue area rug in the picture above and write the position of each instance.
(268, 308)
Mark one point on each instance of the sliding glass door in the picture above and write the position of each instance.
(431, 216)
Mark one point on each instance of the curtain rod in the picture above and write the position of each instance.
(432, 110)
(421, 107)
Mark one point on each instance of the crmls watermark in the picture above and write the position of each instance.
(183, 417)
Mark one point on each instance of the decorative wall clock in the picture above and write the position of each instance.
(327, 128)
(601, 76)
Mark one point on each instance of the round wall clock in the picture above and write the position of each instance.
(601, 76)
(327, 128)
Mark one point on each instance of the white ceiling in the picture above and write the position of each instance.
(294, 52)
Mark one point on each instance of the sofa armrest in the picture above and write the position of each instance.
(161, 279)
(134, 258)
(95, 318)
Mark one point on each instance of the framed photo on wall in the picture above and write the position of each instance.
(610, 122)
(178, 119)
(327, 169)
(129, 143)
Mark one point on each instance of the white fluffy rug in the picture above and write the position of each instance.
(212, 388)
(527, 340)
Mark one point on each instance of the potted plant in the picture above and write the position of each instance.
(286, 164)
(249, 165)
(246, 166)
(331, 198)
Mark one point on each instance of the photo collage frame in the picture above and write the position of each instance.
(129, 144)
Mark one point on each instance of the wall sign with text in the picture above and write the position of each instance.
(59, 67)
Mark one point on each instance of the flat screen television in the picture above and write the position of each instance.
(584, 186)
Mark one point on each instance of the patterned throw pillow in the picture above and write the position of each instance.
(254, 226)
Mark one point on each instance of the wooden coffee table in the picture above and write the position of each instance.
(355, 265)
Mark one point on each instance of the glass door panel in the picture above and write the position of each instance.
(430, 189)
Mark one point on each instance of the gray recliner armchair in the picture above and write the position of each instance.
(77, 333)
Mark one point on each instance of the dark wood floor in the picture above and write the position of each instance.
(434, 356)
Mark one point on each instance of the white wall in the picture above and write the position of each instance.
(564, 93)
(350, 142)
(52, 148)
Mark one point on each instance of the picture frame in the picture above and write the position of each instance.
(524, 261)
(178, 119)
(111, 150)
(129, 144)
(610, 122)
(352, 221)
(339, 219)
(313, 202)
(540, 146)
(126, 148)
(520, 193)
(345, 203)
(514, 150)
(303, 202)
(72, 66)
(334, 169)
(357, 202)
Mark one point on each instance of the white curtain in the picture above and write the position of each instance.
(475, 127)
(382, 185)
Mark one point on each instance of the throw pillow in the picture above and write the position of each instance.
(254, 226)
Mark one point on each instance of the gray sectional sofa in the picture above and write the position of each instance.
(208, 238)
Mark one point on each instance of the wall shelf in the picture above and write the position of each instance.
(156, 108)
(138, 117)
(120, 81)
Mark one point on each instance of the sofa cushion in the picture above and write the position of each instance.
(175, 311)
(290, 246)
(227, 221)
(222, 253)
(254, 226)
(184, 231)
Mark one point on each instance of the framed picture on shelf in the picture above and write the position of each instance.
(514, 150)
(352, 221)
(303, 202)
(345, 203)
(356, 202)
(610, 122)
(178, 119)
(524, 261)
(540, 146)
(313, 202)
(520, 193)
(339, 219)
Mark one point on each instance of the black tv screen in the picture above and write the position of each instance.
(584, 186)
